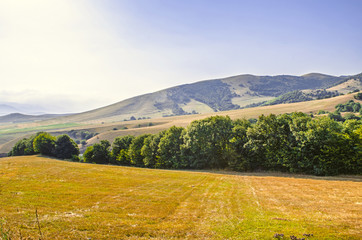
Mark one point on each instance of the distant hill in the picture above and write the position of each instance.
(23, 108)
(206, 96)
(6, 109)
(22, 118)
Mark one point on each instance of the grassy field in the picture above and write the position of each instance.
(86, 201)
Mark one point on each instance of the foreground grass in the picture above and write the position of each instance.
(80, 201)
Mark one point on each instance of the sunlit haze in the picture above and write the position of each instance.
(71, 56)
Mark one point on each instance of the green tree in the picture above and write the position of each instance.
(206, 142)
(98, 153)
(149, 150)
(239, 158)
(298, 162)
(135, 155)
(19, 148)
(170, 149)
(328, 150)
(120, 147)
(24, 146)
(88, 155)
(65, 147)
(44, 143)
(268, 142)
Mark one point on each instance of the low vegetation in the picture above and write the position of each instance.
(279, 85)
(300, 96)
(44, 198)
(350, 106)
(358, 96)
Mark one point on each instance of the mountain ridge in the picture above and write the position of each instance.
(214, 95)
(206, 96)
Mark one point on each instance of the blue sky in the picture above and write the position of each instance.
(77, 55)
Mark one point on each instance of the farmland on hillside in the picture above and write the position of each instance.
(80, 201)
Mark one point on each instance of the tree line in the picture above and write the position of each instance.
(294, 143)
(62, 147)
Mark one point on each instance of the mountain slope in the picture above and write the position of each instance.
(206, 96)
(348, 85)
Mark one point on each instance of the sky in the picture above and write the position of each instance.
(70, 56)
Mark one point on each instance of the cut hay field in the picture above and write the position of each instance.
(86, 201)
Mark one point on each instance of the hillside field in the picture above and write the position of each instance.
(87, 201)
(10, 134)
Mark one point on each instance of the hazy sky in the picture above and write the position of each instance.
(74, 55)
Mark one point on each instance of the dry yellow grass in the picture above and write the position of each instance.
(82, 201)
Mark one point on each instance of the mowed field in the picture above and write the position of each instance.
(87, 201)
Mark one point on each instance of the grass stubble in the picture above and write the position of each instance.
(43, 198)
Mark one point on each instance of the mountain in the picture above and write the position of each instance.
(23, 108)
(206, 96)
(6, 109)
